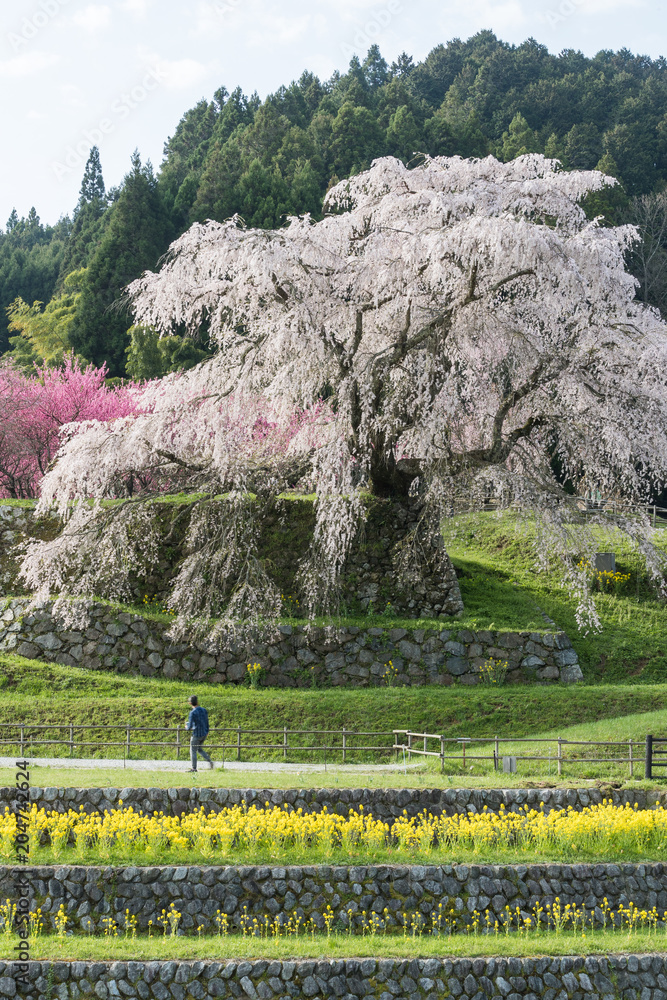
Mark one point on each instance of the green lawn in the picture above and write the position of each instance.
(483, 854)
(81, 947)
(421, 776)
(501, 584)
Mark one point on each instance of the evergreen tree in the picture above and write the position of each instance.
(356, 139)
(92, 185)
(137, 234)
(583, 146)
(520, 139)
(30, 261)
(404, 137)
(88, 218)
(150, 356)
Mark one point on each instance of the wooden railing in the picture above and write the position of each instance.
(449, 749)
(323, 746)
(173, 741)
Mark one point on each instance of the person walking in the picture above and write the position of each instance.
(198, 725)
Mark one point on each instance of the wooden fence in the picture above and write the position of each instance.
(323, 746)
(610, 505)
(174, 741)
(463, 750)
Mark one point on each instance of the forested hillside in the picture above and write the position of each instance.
(267, 159)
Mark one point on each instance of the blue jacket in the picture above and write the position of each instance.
(198, 722)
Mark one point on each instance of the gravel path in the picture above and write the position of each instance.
(174, 765)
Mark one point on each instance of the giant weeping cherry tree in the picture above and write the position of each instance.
(454, 332)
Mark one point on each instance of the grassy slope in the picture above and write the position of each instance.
(100, 949)
(495, 557)
(31, 691)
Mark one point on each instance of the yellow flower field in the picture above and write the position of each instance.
(238, 833)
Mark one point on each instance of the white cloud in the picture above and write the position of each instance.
(137, 8)
(73, 96)
(180, 74)
(278, 29)
(93, 18)
(605, 6)
(28, 64)
(501, 15)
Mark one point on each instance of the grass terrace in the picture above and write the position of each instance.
(80, 947)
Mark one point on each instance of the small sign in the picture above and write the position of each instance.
(605, 562)
(509, 765)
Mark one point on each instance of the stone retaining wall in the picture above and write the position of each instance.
(368, 579)
(90, 893)
(576, 977)
(382, 803)
(296, 657)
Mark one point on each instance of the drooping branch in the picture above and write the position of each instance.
(459, 318)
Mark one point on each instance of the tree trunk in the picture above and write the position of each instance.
(390, 478)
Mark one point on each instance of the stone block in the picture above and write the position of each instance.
(455, 648)
(49, 642)
(457, 665)
(532, 662)
(237, 671)
(410, 651)
(548, 673)
(565, 657)
(29, 650)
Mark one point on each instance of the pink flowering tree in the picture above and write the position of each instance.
(470, 331)
(35, 409)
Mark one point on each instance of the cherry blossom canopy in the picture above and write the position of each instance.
(460, 328)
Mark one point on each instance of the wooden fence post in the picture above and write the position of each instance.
(648, 768)
(22, 740)
(71, 739)
(442, 754)
(238, 743)
(285, 742)
(560, 755)
(127, 740)
(178, 742)
(344, 744)
(409, 746)
(632, 765)
(496, 755)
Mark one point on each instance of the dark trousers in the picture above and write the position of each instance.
(197, 747)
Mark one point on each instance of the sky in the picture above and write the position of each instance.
(120, 74)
